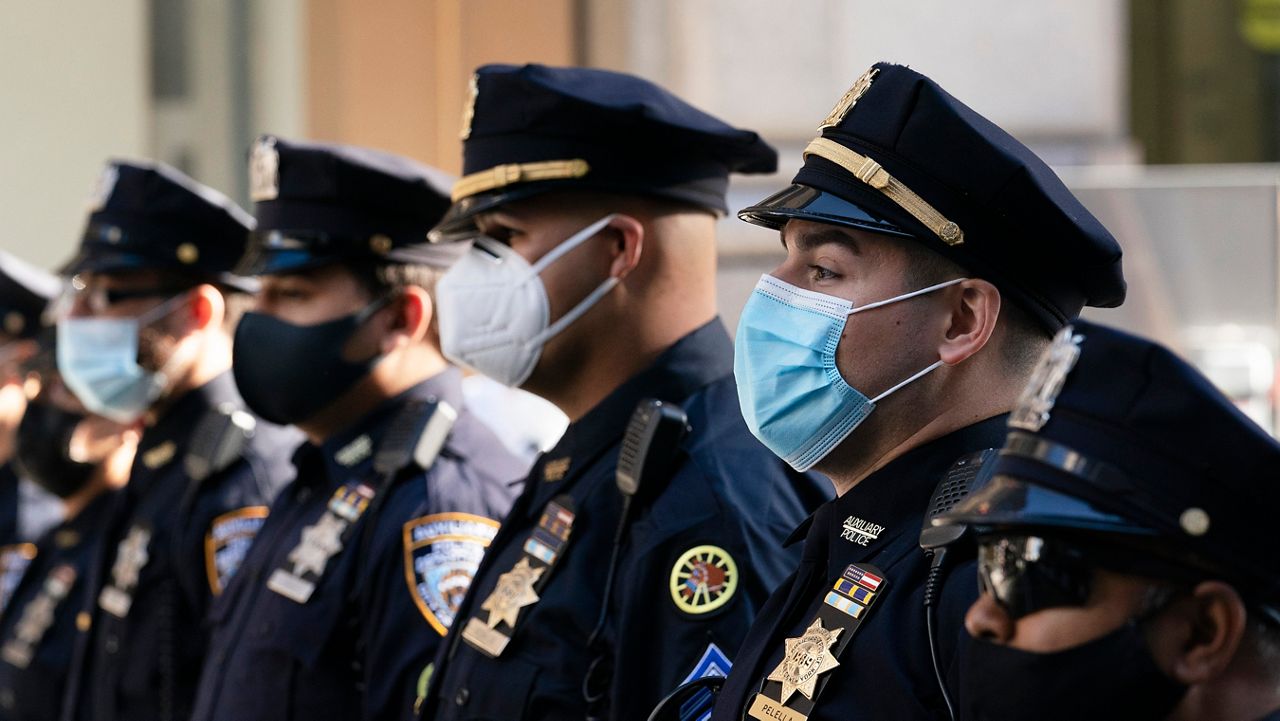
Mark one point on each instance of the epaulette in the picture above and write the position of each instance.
(218, 441)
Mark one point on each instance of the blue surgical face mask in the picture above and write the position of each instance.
(791, 392)
(98, 360)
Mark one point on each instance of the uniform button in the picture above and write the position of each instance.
(112, 643)
(462, 697)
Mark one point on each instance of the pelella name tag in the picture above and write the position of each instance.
(305, 565)
(518, 588)
(791, 690)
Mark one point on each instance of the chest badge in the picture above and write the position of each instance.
(37, 617)
(703, 579)
(305, 565)
(805, 659)
(131, 557)
(513, 592)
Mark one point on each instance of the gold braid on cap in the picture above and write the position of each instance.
(870, 172)
(501, 176)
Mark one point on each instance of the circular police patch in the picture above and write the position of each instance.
(441, 554)
(703, 579)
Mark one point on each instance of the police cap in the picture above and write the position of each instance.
(25, 292)
(145, 215)
(319, 203)
(1119, 440)
(898, 155)
(533, 129)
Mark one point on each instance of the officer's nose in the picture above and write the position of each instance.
(989, 621)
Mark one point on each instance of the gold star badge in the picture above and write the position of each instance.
(513, 592)
(806, 658)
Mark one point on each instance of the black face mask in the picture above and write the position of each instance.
(287, 373)
(1113, 677)
(44, 448)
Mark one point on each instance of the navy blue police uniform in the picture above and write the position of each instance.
(204, 472)
(845, 636)
(551, 628)
(25, 294)
(1119, 456)
(362, 564)
(38, 632)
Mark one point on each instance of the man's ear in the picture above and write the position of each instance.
(974, 307)
(208, 307)
(1211, 622)
(410, 318)
(630, 243)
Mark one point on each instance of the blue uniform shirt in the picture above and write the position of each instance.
(170, 546)
(15, 553)
(720, 518)
(886, 672)
(38, 631)
(355, 646)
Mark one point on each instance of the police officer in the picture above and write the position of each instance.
(25, 293)
(592, 198)
(1126, 546)
(145, 339)
(82, 460)
(930, 257)
(399, 489)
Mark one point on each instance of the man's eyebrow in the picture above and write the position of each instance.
(811, 240)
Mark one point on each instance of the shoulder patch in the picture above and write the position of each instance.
(441, 554)
(227, 542)
(703, 579)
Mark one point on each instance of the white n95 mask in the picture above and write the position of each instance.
(494, 312)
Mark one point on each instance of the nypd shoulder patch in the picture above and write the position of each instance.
(441, 554)
(227, 542)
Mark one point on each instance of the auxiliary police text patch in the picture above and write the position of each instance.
(703, 579)
(441, 554)
(227, 542)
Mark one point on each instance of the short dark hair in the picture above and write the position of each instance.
(1025, 339)
(380, 279)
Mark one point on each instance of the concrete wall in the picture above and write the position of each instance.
(73, 78)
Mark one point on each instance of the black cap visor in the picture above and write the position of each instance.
(95, 259)
(1008, 502)
(808, 203)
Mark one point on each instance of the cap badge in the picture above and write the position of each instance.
(380, 244)
(264, 170)
(188, 253)
(1195, 521)
(469, 112)
(102, 188)
(848, 100)
(1032, 410)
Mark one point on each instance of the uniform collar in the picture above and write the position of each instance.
(351, 450)
(891, 501)
(166, 440)
(693, 362)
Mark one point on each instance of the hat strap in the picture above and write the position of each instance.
(871, 173)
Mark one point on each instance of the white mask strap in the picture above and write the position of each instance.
(908, 381)
(572, 242)
(905, 296)
(575, 312)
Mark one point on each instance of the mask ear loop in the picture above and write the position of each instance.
(572, 242)
(906, 296)
(592, 298)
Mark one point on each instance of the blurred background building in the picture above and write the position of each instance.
(1164, 115)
